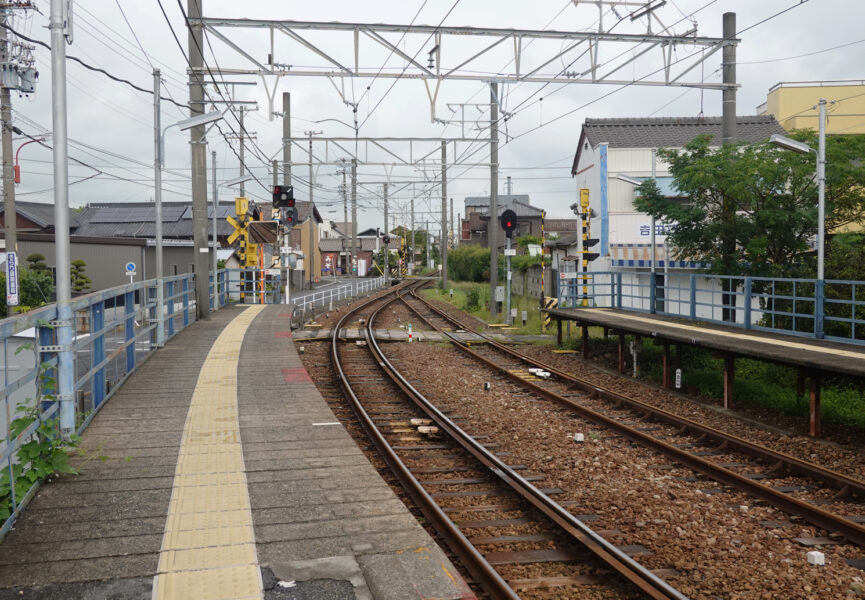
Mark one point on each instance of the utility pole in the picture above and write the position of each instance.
(65, 355)
(492, 225)
(728, 136)
(284, 270)
(198, 153)
(427, 246)
(157, 171)
(386, 251)
(345, 222)
(444, 240)
(8, 175)
(354, 249)
(311, 212)
(242, 186)
(410, 255)
(214, 259)
(453, 243)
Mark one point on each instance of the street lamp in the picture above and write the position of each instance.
(159, 142)
(801, 148)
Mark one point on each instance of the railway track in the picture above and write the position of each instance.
(825, 498)
(469, 493)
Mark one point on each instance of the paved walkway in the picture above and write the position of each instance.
(228, 477)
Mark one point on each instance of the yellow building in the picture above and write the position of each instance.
(794, 105)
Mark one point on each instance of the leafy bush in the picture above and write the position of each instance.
(473, 299)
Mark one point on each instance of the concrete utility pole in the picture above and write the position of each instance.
(242, 186)
(312, 243)
(198, 153)
(386, 251)
(345, 220)
(284, 270)
(493, 225)
(8, 174)
(452, 231)
(728, 136)
(215, 260)
(427, 246)
(65, 355)
(157, 173)
(410, 254)
(354, 248)
(444, 240)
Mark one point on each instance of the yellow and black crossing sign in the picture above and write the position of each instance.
(247, 252)
(548, 304)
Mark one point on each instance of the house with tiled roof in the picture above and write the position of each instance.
(476, 221)
(613, 156)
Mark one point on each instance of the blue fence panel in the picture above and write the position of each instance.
(113, 335)
(834, 309)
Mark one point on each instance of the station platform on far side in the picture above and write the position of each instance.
(227, 477)
(811, 357)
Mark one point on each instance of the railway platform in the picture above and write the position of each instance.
(811, 358)
(226, 477)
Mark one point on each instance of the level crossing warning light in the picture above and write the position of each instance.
(509, 222)
(283, 196)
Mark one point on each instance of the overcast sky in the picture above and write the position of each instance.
(111, 125)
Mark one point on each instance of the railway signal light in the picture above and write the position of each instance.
(283, 196)
(291, 216)
(386, 240)
(509, 222)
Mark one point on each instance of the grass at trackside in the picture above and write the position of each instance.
(461, 299)
(756, 383)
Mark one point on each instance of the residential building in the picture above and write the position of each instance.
(614, 155)
(474, 225)
(612, 158)
(794, 105)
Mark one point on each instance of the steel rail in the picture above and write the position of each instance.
(472, 559)
(779, 460)
(824, 519)
(640, 576)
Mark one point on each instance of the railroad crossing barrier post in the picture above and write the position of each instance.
(666, 367)
(729, 377)
(621, 356)
(815, 405)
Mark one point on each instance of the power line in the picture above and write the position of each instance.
(88, 66)
(774, 60)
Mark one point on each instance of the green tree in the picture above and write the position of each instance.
(35, 289)
(774, 197)
(80, 281)
(524, 241)
(36, 262)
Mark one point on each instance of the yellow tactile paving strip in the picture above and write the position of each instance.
(208, 549)
(743, 336)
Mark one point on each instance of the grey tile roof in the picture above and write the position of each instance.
(673, 132)
(515, 203)
(481, 201)
(43, 214)
(561, 224)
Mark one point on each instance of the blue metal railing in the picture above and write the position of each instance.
(834, 309)
(115, 331)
